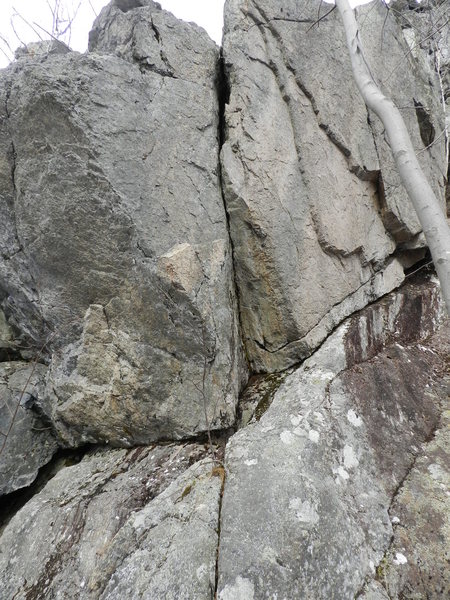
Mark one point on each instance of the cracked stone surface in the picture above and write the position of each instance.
(315, 210)
(29, 441)
(416, 563)
(309, 486)
(427, 31)
(113, 233)
(120, 524)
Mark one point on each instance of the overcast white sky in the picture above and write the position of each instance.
(37, 13)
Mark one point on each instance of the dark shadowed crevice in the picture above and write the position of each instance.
(426, 128)
(127, 5)
(220, 472)
(222, 84)
(10, 504)
(223, 95)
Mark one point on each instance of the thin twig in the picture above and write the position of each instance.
(29, 25)
(413, 47)
(321, 19)
(5, 41)
(11, 22)
(8, 58)
(45, 31)
(93, 9)
(443, 132)
(22, 393)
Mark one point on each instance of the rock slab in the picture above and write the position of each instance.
(316, 211)
(309, 486)
(119, 524)
(26, 440)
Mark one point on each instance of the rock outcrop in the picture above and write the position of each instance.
(317, 214)
(337, 489)
(307, 501)
(114, 234)
(175, 220)
(26, 441)
(120, 524)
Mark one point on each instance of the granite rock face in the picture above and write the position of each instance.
(316, 211)
(114, 233)
(309, 486)
(120, 524)
(29, 442)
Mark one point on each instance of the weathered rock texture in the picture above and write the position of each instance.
(117, 261)
(316, 208)
(120, 524)
(309, 486)
(113, 232)
(29, 442)
(425, 27)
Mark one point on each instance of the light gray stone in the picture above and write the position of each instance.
(374, 591)
(412, 83)
(6, 334)
(41, 49)
(309, 220)
(116, 243)
(140, 32)
(29, 443)
(427, 31)
(308, 486)
(120, 524)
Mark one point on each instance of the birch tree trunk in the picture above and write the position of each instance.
(426, 205)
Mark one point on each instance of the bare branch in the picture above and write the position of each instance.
(443, 132)
(22, 393)
(93, 9)
(413, 48)
(45, 31)
(11, 22)
(320, 19)
(29, 25)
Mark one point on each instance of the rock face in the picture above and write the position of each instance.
(416, 564)
(338, 489)
(309, 486)
(114, 234)
(29, 442)
(425, 27)
(162, 211)
(316, 210)
(120, 524)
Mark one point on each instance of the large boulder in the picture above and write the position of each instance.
(319, 221)
(309, 485)
(114, 235)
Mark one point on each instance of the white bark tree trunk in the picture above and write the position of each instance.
(426, 205)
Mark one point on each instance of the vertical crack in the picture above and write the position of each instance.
(223, 96)
(220, 470)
